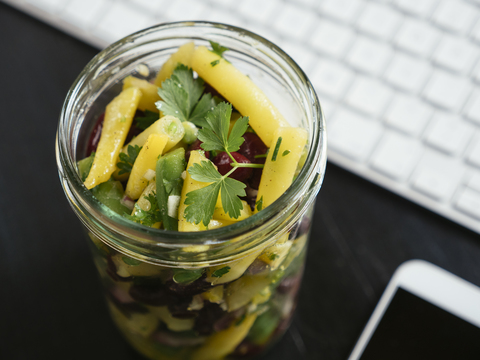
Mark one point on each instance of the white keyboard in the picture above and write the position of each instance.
(399, 80)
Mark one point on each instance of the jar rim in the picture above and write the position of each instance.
(82, 200)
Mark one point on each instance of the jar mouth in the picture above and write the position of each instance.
(308, 180)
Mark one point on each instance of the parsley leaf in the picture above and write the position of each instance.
(144, 217)
(143, 122)
(201, 202)
(220, 272)
(127, 160)
(217, 48)
(182, 96)
(129, 261)
(259, 204)
(214, 133)
(185, 276)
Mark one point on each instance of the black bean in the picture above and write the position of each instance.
(196, 287)
(155, 295)
(178, 306)
(207, 317)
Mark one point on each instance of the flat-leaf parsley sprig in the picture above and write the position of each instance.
(182, 96)
(214, 135)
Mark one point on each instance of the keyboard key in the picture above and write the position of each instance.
(263, 9)
(456, 16)
(120, 21)
(331, 78)
(408, 114)
(472, 109)
(448, 133)
(421, 8)
(185, 10)
(407, 73)
(294, 22)
(328, 108)
(396, 155)
(417, 37)
(267, 33)
(473, 156)
(369, 56)
(447, 91)
(468, 201)
(437, 176)
(475, 34)
(302, 56)
(368, 96)
(353, 135)
(455, 54)
(84, 13)
(225, 17)
(344, 10)
(332, 39)
(474, 181)
(379, 21)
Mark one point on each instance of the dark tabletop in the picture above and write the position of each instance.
(50, 300)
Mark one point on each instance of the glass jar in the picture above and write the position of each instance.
(169, 292)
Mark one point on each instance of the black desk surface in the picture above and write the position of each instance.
(50, 300)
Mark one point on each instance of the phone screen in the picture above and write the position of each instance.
(412, 328)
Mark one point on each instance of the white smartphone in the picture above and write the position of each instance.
(424, 313)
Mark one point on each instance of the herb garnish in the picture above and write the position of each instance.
(220, 272)
(277, 148)
(272, 256)
(146, 217)
(129, 261)
(143, 122)
(259, 204)
(214, 135)
(185, 276)
(215, 62)
(182, 96)
(286, 152)
(218, 49)
(127, 160)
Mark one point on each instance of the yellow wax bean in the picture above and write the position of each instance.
(236, 269)
(118, 119)
(149, 91)
(238, 89)
(190, 184)
(182, 56)
(167, 125)
(146, 160)
(219, 213)
(281, 164)
(224, 342)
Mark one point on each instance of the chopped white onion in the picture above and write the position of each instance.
(184, 175)
(149, 174)
(143, 70)
(173, 203)
(196, 304)
(129, 203)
